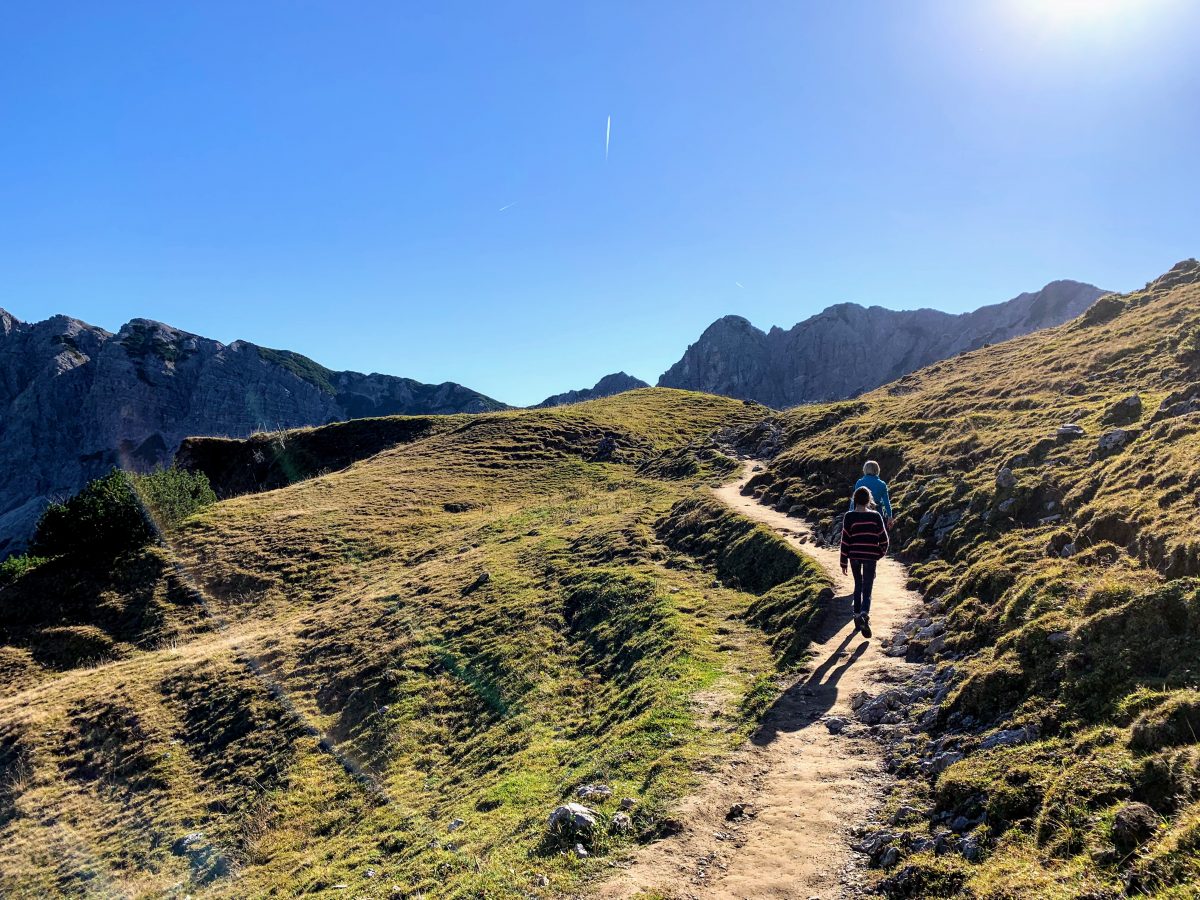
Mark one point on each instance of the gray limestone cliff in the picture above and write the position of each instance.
(76, 400)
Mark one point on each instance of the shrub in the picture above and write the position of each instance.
(117, 513)
(16, 566)
(171, 495)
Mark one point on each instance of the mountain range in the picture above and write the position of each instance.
(848, 349)
(76, 400)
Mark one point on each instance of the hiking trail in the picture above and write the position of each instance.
(805, 786)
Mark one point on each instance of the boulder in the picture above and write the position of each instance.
(1069, 432)
(622, 823)
(1005, 479)
(1112, 441)
(572, 819)
(1008, 738)
(1133, 825)
(943, 761)
(1124, 411)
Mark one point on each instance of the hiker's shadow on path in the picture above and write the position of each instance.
(810, 698)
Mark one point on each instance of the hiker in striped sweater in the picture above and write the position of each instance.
(864, 543)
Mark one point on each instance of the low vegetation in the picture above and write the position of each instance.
(381, 675)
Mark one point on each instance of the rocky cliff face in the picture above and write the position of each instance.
(616, 383)
(848, 349)
(76, 400)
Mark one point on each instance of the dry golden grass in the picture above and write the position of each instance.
(332, 683)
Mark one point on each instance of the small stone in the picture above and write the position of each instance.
(370, 873)
(739, 811)
(580, 851)
(890, 857)
(541, 880)
(622, 823)
(970, 848)
(1069, 431)
(836, 724)
(189, 841)
(455, 825)
(1112, 441)
(597, 792)
(905, 813)
(628, 803)
(1005, 479)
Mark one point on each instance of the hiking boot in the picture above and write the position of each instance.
(864, 625)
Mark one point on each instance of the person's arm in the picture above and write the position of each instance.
(884, 543)
(845, 539)
(885, 502)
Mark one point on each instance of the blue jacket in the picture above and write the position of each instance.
(878, 488)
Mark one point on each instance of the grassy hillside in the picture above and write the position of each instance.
(380, 680)
(1062, 564)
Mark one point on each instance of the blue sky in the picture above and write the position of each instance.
(328, 177)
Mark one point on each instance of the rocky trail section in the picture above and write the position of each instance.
(775, 821)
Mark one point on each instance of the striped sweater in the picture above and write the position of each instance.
(863, 536)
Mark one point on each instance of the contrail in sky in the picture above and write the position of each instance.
(739, 284)
(507, 206)
(607, 137)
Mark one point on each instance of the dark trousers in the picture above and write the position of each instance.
(864, 579)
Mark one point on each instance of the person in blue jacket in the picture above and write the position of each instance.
(879, 491)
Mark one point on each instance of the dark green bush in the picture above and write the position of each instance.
(16, 566)
(171, 495)
(120, 512)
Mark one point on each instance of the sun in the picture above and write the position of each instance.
(1082, 13)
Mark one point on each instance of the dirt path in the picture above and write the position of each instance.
(804, 785)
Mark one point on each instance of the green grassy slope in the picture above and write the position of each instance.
(308, 689)
(1066, 583)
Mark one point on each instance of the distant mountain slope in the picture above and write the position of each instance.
(848, 349)
(616, 383)
(76, 400)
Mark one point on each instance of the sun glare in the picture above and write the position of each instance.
(1083, 13)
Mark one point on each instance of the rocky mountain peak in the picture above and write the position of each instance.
(75, 400)
(849, 348)
(615, 383)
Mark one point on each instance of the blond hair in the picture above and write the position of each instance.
(870, 467)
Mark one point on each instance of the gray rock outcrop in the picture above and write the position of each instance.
(848, 349)
(76, 400)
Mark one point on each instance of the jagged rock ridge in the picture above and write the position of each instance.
(616, 383)
(848, 349)
(75, 400)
